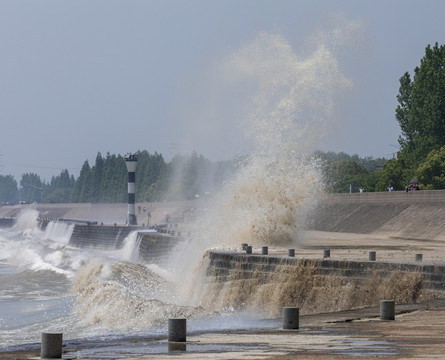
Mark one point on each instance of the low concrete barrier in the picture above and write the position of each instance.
(7, 222)
(315, 285)
(97, 236)
(154, 247)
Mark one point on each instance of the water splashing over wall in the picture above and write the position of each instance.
(279, 182)
(267, 201)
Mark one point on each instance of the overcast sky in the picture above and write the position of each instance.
(82, 77)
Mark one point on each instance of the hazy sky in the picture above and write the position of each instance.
(82, 77)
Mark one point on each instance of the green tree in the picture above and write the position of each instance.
(392, 173)
(150, 177)
(421, 109)
(9, 192)
(96, 180)
(60, 189)
(340, 174)
(113, 186)
(431, 173)
(83, 189)
(31, 188)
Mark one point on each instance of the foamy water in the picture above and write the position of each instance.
(46, 285)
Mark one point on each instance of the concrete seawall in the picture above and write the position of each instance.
(97, 236)
(415, 214)
(268, 283)
(153, 247)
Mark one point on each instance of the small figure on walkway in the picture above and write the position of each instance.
(361, 189)
(390, 188)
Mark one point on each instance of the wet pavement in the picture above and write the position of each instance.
(418, 332)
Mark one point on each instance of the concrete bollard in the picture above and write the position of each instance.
(372, 256)
(244, 246)
(51, 346)
(291, 252)
(265, 250)
(249, 249)
(177, 346)
(177, 330)
(291, 318)
(326, 253)
(387, 309)
(419, 257)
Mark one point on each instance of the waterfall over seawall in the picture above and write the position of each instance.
(151, 245)
(268, 283)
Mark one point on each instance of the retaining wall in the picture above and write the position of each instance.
(97, 236)
(268, 283)
(153, 247)
(156, 247)
(414, 214)
(6, 222)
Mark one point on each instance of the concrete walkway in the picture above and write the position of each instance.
(418, 332)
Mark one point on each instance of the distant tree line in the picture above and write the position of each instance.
(184, 177)
(105, 181)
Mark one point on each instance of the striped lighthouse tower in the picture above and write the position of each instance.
(132, 162)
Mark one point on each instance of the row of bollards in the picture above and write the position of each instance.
(372, 255)
(265, 250)
(291, 315)
(51, 347)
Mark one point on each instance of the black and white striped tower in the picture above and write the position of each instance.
(132, 162)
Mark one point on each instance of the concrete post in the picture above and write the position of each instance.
(387, 309)
(249, 249)
(51, 346)
(372, 256)
(291, 318)
(419, 257)
(244, 246)
(326, 253)
(177, 330)
(291, 252)
(264, 250)
(177, 346)
(132, 162)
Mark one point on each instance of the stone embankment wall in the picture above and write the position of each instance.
(101, 237)
(153, 247)
(6, 222)
(268, 283)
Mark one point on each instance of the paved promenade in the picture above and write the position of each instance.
(418, 332)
